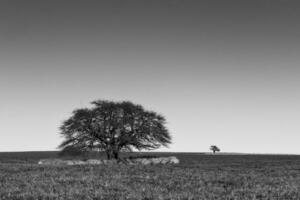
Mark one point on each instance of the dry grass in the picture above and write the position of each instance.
(197, 177)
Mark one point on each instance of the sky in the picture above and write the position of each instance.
(223, 73)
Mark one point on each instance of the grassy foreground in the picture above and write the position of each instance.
(197, 177)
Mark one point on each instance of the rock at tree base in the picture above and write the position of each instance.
(142, 161)
(94, 162)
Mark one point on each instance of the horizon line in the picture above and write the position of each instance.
(191, 152)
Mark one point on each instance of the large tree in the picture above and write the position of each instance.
(114, 127)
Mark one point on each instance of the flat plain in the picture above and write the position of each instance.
(198, 176)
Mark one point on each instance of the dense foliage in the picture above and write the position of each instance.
(214, 148)
(113, 127)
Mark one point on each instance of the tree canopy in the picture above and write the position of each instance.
(114, 127)
(214, 148)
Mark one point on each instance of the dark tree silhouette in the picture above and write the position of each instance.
(214, 149)
(114, 127)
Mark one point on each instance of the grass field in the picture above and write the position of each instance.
(198, 176)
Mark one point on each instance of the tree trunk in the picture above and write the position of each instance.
(214, 151)
(112, 154)
(116, 155)
(109, 154)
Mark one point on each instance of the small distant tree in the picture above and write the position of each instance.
(214, 149)
(114, 127)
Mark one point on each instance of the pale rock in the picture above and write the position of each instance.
(94, 162)
(174, 160)
(69, 162)
(76, 162)
(164, 160)
(50, 162)
(143, 161)
(146, 161)
(156, 161)
(40, 162)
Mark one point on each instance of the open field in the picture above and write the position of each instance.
(198, 176)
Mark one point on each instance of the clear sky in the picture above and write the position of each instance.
(222, 72)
